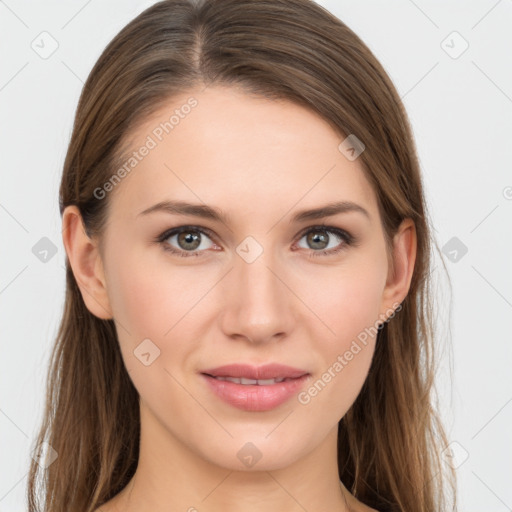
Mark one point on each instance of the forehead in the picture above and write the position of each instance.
(239, 152)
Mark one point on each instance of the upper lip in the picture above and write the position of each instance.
(267, 371)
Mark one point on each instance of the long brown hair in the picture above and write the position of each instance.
(391, 439)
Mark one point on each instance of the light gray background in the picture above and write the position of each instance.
(461, 112)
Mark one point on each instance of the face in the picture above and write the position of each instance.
(244, 278)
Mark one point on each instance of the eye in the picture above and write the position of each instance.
(323, 243)
(189, 239)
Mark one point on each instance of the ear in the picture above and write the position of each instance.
(86, 263)
(404, 256)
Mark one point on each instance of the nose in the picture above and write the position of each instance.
(259, 304)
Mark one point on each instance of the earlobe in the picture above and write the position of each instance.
(85, 261)
(404, 258)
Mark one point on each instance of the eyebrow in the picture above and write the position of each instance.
(216, 214)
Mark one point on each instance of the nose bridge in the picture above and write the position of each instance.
(258, 303)
(258, 284)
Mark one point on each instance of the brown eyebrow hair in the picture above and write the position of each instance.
(209, 212)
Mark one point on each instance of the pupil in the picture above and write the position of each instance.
(316, 238)
(188, 238)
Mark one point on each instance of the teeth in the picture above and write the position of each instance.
(248, 381)
(259, 382)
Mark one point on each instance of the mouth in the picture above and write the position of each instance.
(276, 371)
(254, 382)
(254, 395)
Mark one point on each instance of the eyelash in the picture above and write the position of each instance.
(347, 238)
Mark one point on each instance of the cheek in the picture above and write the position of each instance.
(139, 299)
(350, 301)
(151, 299)
(349, 307)
(149, 296)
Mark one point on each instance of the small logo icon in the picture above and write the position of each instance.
(454, 455)
(454, 45)
(44, 249)
(249, 249)
(146, 352)
(351, 147)
(454, 249)
(44, 455)
(45, 45)
(249, 454)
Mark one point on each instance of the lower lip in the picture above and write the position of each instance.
(249, 397)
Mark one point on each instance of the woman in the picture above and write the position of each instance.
(247, 321)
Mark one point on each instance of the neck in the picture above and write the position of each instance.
(171, 476)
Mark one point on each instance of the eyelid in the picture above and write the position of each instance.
(347, 238)
(160, 239)
(185, 227)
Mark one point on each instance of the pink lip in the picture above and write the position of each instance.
(267, 371)
(251, 397)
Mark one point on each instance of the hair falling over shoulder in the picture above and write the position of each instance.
(390, 441)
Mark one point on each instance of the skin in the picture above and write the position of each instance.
(260, 161)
